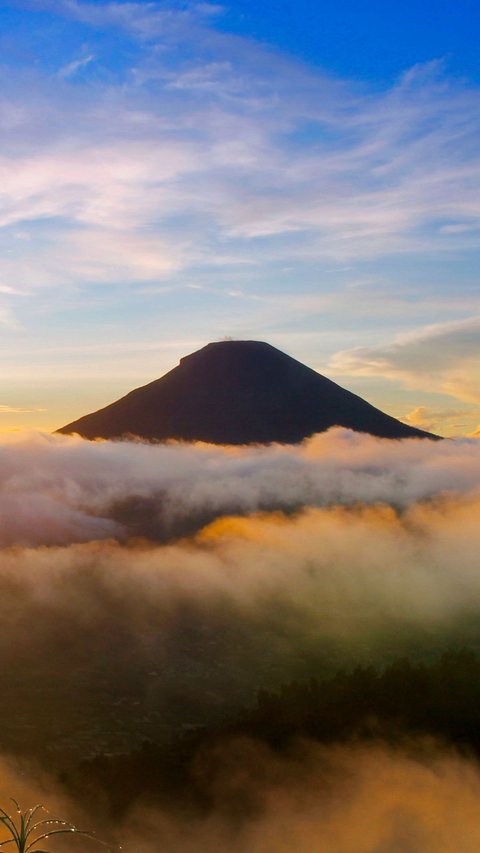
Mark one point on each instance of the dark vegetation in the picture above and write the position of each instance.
(405, 700)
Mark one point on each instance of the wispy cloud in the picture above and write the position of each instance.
(239, 146)
(170, 153)
(444, 421)
(15, 410)
(442, 357)
(72, 67)
(145, 20)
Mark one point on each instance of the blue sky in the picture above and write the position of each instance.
(306, 174)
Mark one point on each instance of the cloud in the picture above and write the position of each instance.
(8, 410)
(86, 490)
(446, 421)
(74, 66)
(144, 583)
(149, 20)
(197, 626)
(442, 357)
(344, 550)
(95, 185)
(62, 491)
(230, 148)
(96, 256)
(327, 572)
(331, 800)
(334, 799)
(31, 785)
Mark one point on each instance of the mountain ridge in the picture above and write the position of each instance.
(238, 392)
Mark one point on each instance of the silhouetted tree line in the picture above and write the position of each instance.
(440, 699)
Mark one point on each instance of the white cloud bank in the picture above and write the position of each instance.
(56, 489)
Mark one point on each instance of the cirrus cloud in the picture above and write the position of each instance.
(228, 143)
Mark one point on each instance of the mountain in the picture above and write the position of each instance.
(238, 392)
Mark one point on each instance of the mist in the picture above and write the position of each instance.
(149, 590)
(250, 595)
(57, 490)
(335, 799)
(327, 799)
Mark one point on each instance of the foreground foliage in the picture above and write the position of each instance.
(26, 832)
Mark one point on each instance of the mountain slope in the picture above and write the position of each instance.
(238, 392)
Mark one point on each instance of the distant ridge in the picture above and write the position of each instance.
(238, 392)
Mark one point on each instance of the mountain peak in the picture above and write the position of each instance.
(232, 349)
(238, 392)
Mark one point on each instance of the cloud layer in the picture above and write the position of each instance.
(329, 800)
(345, 550)
(56, 489)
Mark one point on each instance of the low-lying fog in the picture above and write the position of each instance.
(147, 589)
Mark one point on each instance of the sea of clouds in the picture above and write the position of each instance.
(62, 490)
(228, 569)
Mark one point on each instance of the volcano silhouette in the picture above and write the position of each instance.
(238, 392)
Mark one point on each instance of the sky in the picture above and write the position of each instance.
(303, 173)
